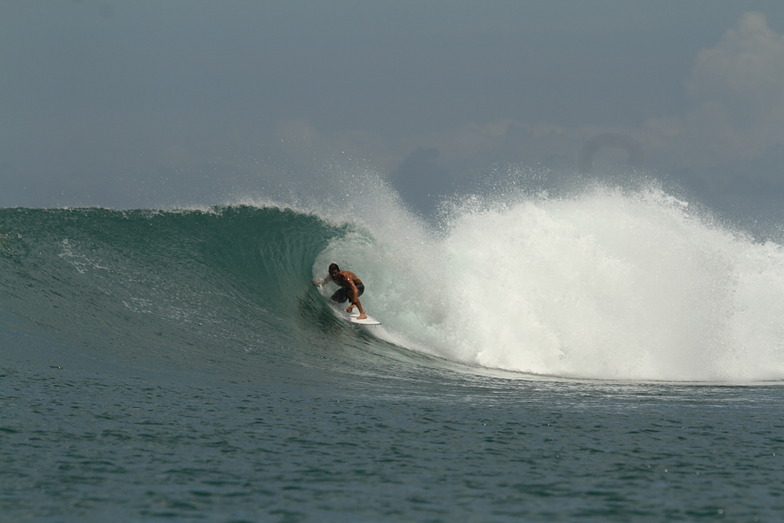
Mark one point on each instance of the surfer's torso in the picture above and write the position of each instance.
(345, 278)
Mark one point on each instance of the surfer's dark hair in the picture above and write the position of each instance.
(333, 267)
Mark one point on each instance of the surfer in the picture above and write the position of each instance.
(351, 288)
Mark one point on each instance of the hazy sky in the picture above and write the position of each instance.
(161, 102)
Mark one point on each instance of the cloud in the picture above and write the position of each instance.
(732, 127)
(307, 147)
(737, 88)
(630, 146)
(745, 70)
(420, 181)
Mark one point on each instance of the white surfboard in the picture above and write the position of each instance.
(353, 317)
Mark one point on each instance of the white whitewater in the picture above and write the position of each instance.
(608, 284)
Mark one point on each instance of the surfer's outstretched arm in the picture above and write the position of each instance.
(322, 282)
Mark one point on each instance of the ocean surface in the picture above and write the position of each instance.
(612, 355)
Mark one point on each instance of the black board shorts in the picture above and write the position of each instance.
(341, 294)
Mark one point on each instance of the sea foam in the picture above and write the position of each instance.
(606, 283)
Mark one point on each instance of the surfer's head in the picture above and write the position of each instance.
(333, 268)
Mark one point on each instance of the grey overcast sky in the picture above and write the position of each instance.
(166, 102)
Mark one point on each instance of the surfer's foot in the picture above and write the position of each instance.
(362, 317)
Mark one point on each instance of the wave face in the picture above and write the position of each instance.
(608, 284)
(192, 287)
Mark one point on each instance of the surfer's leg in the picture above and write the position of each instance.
(362, 314)
(352, 296)
(354, 299)
(340, 295)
